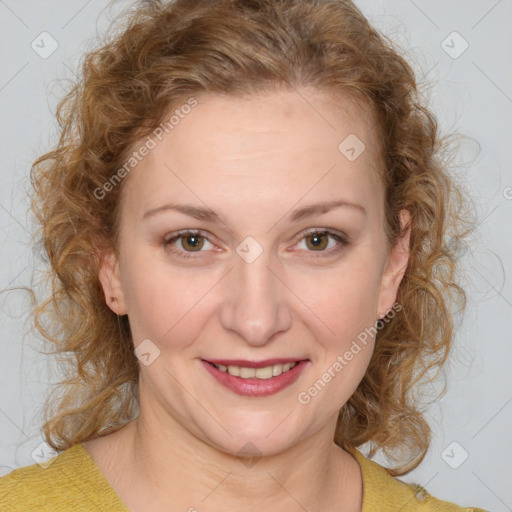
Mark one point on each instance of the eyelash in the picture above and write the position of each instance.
(188, 254)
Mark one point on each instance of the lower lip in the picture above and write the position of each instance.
(257, 387)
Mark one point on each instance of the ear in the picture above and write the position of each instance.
(395, 267)
(110, 280)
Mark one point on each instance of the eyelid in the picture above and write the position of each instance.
(172, 237)
(191, 231)
(339, 236)
(328, 231)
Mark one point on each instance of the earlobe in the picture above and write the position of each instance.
(110, 280)
(398, 260)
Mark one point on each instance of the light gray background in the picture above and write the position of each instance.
(472, 94)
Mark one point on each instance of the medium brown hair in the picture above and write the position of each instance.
(161, 55)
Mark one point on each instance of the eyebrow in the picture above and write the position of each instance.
(206, 214)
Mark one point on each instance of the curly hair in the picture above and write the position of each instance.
(161, 55)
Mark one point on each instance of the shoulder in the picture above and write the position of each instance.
(66, 483)
(384, 493)
(48, 486)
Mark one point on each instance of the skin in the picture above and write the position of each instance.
(253, 161)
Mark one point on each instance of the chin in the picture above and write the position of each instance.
(253, 436)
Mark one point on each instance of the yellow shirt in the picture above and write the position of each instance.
(74, 483)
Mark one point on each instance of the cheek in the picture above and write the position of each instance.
(164, 302)
(344, 300)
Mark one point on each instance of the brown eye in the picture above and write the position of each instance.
(190, 242)
(317, 240)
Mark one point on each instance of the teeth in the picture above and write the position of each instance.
(259, 373)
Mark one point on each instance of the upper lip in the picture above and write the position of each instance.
(254, 364)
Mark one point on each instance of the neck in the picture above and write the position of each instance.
(183, 472)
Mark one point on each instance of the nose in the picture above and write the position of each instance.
(255, 305)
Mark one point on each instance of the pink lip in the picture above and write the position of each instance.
(257, 387)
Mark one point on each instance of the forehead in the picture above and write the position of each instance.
(286, 143)
(264, 125)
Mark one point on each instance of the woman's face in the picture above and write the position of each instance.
(270, 274)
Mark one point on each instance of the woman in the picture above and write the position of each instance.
(247, 220)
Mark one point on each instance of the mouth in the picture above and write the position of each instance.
(256, 378)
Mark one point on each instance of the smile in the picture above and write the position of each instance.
(254, 379)
(264, 373)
